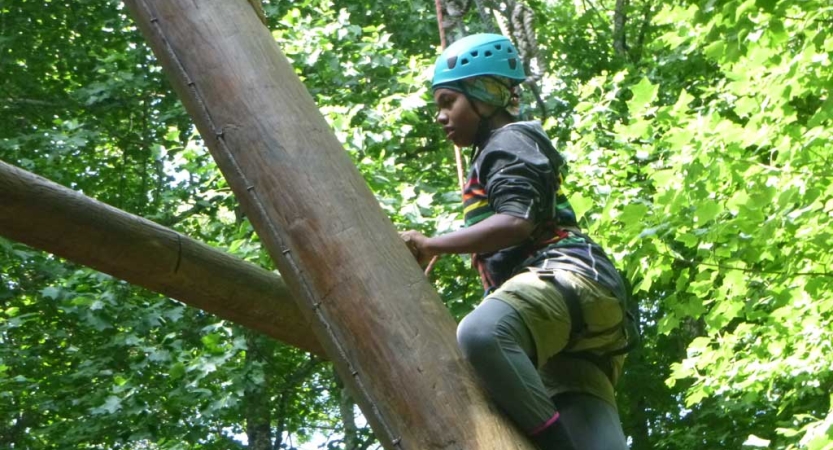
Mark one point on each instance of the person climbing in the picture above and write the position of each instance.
(546, 339)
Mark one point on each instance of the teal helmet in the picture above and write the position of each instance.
(479, 54)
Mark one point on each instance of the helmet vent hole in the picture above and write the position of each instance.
(478, 55)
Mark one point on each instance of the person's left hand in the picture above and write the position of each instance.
(417, 244)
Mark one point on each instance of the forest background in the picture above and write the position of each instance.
(699, 140)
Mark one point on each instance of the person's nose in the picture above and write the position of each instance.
(442, 118)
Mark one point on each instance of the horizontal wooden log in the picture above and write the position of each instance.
(381, 323)
(51, 217)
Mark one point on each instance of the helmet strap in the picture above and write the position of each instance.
(484, 127)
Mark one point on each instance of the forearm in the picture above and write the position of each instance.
(497, 232)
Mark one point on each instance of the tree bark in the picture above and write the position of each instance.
(50, 217)
(452, 20)
(647, 15)
(380, 322)
(619, 18)
(348, 417)
(256, 401)
(637, 417)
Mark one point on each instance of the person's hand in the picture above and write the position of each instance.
(417, 244)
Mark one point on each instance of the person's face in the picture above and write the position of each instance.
(457, 117)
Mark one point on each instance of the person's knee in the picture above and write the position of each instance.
(477, 340)
(591, 421)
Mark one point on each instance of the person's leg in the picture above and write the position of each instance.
(591, 422)
(583, 388)
(495, 340)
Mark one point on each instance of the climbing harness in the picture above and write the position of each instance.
(579, 329)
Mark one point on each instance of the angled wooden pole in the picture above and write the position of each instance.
(382, 324)
(50, 217)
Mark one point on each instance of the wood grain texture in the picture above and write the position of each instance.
(384, 326)
(50, 217)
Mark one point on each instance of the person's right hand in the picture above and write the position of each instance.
(417, 244)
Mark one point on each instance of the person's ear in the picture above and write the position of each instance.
(485, 109)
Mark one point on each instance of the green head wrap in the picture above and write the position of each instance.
(492, 90)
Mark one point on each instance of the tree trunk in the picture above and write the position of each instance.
(644, 28)
(637, 415)
(50, 217)
(348, 417)
(382, 324)
(452, 20)
(256, 401)
(620, 15)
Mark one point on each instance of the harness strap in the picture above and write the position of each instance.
(632, 333)
(579, 329)
(602, 362)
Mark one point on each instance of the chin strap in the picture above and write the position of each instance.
(483, 127)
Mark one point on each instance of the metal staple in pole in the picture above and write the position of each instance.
(272, 230)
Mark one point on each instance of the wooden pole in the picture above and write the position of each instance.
(50, 217)
(381, 323)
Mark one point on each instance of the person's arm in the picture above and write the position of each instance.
(494, 233)
(514, 187)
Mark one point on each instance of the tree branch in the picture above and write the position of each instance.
(590, 6)
(29, 101)
(289, 385)
(643, 31)
(693, 263)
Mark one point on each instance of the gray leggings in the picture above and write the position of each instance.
(498, 344)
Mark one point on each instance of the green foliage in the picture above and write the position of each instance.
(716, 198)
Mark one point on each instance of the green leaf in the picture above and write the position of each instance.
(740, 198)
(634, 130)
(81, 301)
(177, 371)
(688, 239)
(633, 214)
(715, 50)
(695, 396)
(51, 292)
(580, 204)
(706, 211)
(110, 406)
(644, 93)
